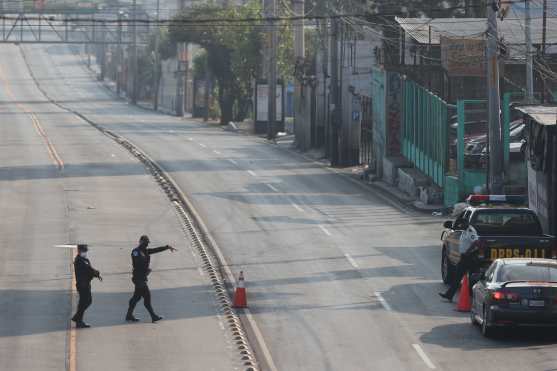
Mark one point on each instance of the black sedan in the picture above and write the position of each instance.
(515, 292)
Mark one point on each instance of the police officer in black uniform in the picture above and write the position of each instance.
(84, 274)
(141, 257)
(465, 265)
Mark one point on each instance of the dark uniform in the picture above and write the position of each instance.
(84, 274)
(467, 263)
(141, 258)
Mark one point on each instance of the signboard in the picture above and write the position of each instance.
(262, 102)
(463, 56)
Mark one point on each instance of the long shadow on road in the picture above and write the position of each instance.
(27, 312)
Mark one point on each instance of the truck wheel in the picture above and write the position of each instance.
(447, 269)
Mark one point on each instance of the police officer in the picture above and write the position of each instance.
(466, 264)
(84, 274)
(141, 257)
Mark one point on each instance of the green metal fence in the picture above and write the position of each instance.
(424, 131)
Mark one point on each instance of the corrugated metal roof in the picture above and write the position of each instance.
(544, 115)
(510, 29)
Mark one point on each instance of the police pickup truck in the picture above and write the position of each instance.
(492, 227)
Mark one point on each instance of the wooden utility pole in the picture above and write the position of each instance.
(495, 176)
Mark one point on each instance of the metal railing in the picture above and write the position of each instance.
(424, 131)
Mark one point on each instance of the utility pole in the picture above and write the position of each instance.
(544, 36)
(335, 94)
(495, 175)
(272, 78)
(103, 51)
(134, 53)
(300, 121)
(156, 76)
(529, 56)
(180, 73)
(187, 58)
(207, 89)
(119, 56)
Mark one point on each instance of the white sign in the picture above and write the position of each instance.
(262, 113)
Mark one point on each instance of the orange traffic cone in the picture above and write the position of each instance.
(464, 301)
(240, 300)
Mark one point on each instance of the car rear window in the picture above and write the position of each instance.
(527, 272)
(507, 223)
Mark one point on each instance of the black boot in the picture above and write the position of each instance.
(445, 296)
(131, 318)
(156, 318)
(81, 324)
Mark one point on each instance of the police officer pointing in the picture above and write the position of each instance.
(141, 258)
(84, 274)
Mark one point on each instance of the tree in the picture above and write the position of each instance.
(233, 50)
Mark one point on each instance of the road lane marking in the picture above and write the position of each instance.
(252, 173)
(423, 356)
(383, 301)
(36, 124)
(297, 207)
(216, 152)
(325, 230)
(49, 146)
(202, 145)
(272, 187)
(232, 161)
(351, 260)
(190, 139)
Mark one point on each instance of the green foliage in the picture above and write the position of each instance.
(233, 50)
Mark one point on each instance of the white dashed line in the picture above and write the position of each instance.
(423, 356)
(272, 187)
(383, 301)
(190, 139)
(232, 161)
(252, 173)
(325, 230)
(297, 207)
(202, 145)
(351, 261)
(216, 152)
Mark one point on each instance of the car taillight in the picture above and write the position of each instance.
(504, 295)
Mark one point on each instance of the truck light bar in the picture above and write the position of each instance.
(496, 199)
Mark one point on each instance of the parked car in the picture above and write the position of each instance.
(478, 145)
(515, 292)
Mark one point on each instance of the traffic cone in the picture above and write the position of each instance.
(464, 301)
(240, 300)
